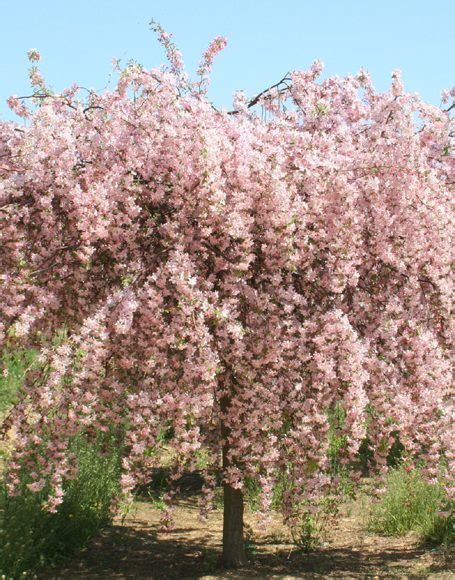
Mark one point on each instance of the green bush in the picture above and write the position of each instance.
(307, 533)
(31, 537)
(409, 503)
(13, 366)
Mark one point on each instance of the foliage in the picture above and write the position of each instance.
(337, 439)
(13, 365)
(409, 503)
(31, 536)
(306, 534)
(310, 522)
(228, 278)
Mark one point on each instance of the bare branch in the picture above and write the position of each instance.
(255, 100)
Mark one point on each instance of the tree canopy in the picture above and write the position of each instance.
(231, 276)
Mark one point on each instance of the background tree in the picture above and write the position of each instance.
(228, 278)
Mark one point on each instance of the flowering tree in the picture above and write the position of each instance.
(227, 275)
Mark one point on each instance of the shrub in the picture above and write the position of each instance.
(13, 366)
(306, 534)
(409, 503)
(31, 537)
(309, 527)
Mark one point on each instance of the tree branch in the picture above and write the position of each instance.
(257, 98)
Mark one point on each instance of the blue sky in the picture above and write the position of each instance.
(266, 38)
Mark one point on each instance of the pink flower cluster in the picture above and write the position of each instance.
(205, 66)
(33, 55)
(229, 278)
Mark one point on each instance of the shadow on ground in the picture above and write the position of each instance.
(138, 549)
(125, 552)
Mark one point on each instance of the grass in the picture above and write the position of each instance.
(410, 504)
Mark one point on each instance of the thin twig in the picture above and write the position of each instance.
(257, 98)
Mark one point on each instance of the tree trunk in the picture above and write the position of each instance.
(233, 544)
(234, 554)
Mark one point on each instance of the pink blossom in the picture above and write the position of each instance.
(37, 485)
(33, 55)
(225, 273)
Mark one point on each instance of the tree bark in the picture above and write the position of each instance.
(233, 543)
(234, 554)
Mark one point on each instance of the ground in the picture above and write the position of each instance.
(135, 548)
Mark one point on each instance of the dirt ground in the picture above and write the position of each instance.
(135, 548)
